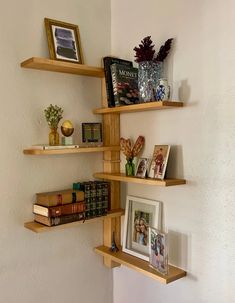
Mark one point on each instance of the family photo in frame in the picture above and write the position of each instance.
(63, 41)
(158, 250)
(140, 214)
(142, 167)
(158, 164)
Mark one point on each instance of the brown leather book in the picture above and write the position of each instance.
(60, 197)
(59, 220)
(60, 210)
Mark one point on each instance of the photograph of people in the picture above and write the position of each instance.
(140, 230)
(141, 168)
(158, 255)
(159, 161)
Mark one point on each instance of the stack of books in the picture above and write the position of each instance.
(96, 197)
(59, 207)
(121, 82)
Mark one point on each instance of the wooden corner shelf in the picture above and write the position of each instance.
(147, 181)
(63, 67)
(141, 266)
(39, 228)
(63, 151)
(154, 105)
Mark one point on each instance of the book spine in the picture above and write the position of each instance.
(115, 84)
(67, 219)
(108, 82)
(108, 61)
(60, 198)
(56, 211)
(59, 220)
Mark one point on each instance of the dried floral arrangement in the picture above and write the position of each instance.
(129, 150)
(53, 115)
(145, 51)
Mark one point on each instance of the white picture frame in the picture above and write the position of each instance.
(140, 214)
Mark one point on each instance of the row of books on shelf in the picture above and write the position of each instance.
(84, 201)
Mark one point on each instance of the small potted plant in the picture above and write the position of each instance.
(53, 115)
(131, 151)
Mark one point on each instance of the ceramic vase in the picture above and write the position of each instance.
(162, 90)
(130, 167)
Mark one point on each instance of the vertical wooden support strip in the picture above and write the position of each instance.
(104, 102)
(111, 130)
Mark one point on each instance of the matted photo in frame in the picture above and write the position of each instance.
(140, 214)
(92, 133)
(158, 250)
(141, 169)
(158, 164)
(63, 41)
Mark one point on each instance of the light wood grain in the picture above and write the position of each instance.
(155, 105)
(111, 129)
(31, 151)
(147, 181)
(104, 100)
(38, 227)
(63, 67)
(141, 265)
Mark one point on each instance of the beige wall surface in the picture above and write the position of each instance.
(199, 215)
(59, 266)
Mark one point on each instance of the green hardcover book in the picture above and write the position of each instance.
(125, 84)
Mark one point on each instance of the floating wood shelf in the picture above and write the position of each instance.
(62, 151)
(39, 228)
(154, 105)
(140, 265)
(63, 67)
(147, 181)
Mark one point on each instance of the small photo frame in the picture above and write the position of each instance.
(158, 250)
(92, 133)
(141, 168)
(63, 41)
(158, 164)
(139, 215)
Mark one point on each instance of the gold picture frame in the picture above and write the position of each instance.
(63, 41)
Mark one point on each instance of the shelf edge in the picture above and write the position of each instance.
(39, 228)
(141, 266)
(147, 181)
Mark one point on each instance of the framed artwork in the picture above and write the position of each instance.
(141, 168)
(140, 214)
(63, 41)
(158, 164)
(92, 133)
(158, 250)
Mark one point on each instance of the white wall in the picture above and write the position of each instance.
(200, 215)
(59, 266)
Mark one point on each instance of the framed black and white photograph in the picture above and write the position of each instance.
(141, 168)
(140, 214)
(92, 133)
(158, 250)
(63, 41)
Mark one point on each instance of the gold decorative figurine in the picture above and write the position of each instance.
(67, 130)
